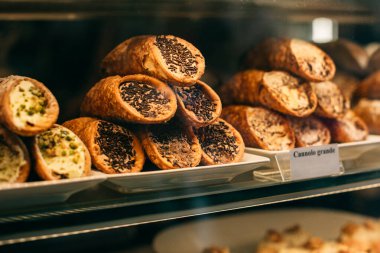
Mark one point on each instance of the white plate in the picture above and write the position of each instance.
(182, 178)
(44, 192)
(243, 231)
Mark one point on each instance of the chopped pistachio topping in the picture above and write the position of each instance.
(63, 152)
(28, 104)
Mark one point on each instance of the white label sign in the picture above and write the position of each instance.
(314, 162)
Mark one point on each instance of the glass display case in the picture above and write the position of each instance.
(62, 44)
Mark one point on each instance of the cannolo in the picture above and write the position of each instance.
(27, 107)
(198, 105)
(221, 143)
(347, 55)
(331, 101)
(277, 90)
(113, 149)
(296, 56)
(369, 87)
(60, 154)
(260, 127)
(310, 131)
(136, 98)
(170, 146)
(347, 129)
(165, 57)
(14, 158)
(369, 111)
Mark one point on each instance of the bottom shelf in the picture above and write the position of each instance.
(105, 210)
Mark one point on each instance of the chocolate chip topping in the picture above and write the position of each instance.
(145, 98)
(116, 143)
(218, 142)
(173, 144)
(177, 56)
(195, 100)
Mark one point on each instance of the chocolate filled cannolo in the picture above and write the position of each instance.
(113, 149)
(165, 57)
(170, 146)
(27, 107)
(198, 105)
(136, 98)
(221, 143)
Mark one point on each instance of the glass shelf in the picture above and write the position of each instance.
(101, 209)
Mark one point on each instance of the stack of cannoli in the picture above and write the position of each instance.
(152, 101)
(286, 98)
(29, 110)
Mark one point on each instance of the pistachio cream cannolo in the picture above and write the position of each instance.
(59, 154)
(27, 107)
(14, 158)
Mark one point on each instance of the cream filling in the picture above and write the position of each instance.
(63, 152)
(288, 89)
(10, 163)
(271, 130)
(28, 104)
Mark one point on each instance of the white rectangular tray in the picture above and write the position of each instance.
(44, 192)
(347, 151)
(182, 178)
(349, 155)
